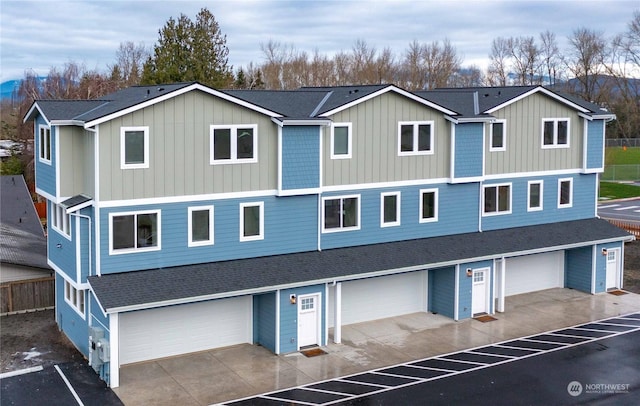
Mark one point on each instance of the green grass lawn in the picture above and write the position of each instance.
(613, 190)
(620, 156)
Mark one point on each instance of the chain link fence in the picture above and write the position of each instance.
(621, 173)
(622, 142)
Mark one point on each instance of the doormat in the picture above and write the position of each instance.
(617, 292)
(314, 352)
(486, 318)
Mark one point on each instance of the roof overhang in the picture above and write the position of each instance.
(33, 111)
(462, 120)
(282, 122)
(591, 117)
(76, 203)
(539, 89)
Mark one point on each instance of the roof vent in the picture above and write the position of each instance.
(486, 95)
(148, 92)
(161, 89)
(353, 91)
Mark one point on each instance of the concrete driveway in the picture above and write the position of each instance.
(234, 372)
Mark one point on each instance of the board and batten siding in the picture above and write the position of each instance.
(76, 161)
(179, 158)
(375, 144)
(524, 152)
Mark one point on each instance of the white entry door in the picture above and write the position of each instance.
(308, 320)
(613, 259)
(480, 291)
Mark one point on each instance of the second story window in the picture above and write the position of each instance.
(200, 226)
(534, 195)
(44, 140)
(497, 199)
(415, 138)
(341, 141)
(134, 147)
(341, 213)
(251, 221)
(555, 133)
(231, 144)
(497, 136)
(60, 220)
(428, 205)
(390, 209)
(134, 232)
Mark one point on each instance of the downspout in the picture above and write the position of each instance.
(89, 235)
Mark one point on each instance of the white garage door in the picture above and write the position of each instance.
(531, 273)
(174, 330)
(377, 298)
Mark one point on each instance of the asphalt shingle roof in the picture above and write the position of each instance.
(158, 285)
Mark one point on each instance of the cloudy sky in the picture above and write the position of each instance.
(42, 34)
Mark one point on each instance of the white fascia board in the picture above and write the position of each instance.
(395, 89)
(186, 198)
(607, 117)
(299, 192)
(463, 120)
(79, 207)
(178, 92)
(67, 122)
(541, 90)
(46, 195)
(32, 110)
(281, 122)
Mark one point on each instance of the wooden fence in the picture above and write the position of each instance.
(632, 228)
(30, 294)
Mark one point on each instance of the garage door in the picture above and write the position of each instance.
(531, 273)
(174, 330)
(377, 298)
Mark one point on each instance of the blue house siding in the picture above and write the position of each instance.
(457, 213)
(300, 157)
(62, 251)
(97, 318)
(45, 173)
(578, 267)
(289, 316)
(601, 265)
(69, 321)
(595, 144)
(465, 288)
(468, 150)
(284, 217)
(584, 192)
(264, 318)
(84, 242)
(442, 286)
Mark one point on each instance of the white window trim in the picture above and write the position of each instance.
(555, 133)
(341, 229)
(60, 220)
(252, 237)
(73, 302)
(123, 164)
(435, 211)
(497, 213)
(560, 181)
(416, 125)
(504, 136)
(45, 148)
(210, 241)
(534, 182)
(391, 223)
(233, 144)
(349, 138)
(134, 250)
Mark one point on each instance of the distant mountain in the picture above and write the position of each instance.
(7, 88)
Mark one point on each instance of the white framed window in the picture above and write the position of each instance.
(233, 144)
(555, 133)
(496, 199)
(74, 297)
(200, 226)
(428, 205)
(134, 147)
(60, 220)
(535, 193)
(137, 231)
(389, 209)
(44, 141)
(251, 221)
(565, 192)
(415, 137)
(340, 213)
(498, 135)
(341, 141)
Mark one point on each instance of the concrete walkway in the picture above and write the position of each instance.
(234, 372)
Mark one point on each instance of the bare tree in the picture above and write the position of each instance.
(498, 62)
(127, 69)
(413, 73)
(550, 57)
(525, 57)
(469, 76)
(585, 61)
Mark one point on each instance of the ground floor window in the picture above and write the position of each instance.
(74, 297)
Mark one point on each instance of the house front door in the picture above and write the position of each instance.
(308, 320)
(480, 291)
(613, 259)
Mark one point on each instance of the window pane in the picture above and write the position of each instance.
(497, 139)
(47, 143)
(340, 141)
(147, 230)
(490, 203)
(406, 137)
(245, 143)
(390, 214)
(251, 220)
(424, 137)
(80, 297)
(428, 205)
(548, 133)
(503, 198)
(222, 143)
(42, 153)
(332, 213)
(565, 192)
(123, 232)
(350, 212)
(534, 195)
(200, 225)
(562, 132)
(134, 147)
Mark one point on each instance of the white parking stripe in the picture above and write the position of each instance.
(626, 208)
(21, 372)
(73, 392)
(608, 206)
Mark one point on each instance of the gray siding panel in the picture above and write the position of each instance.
(179, 151)
(76, 161)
